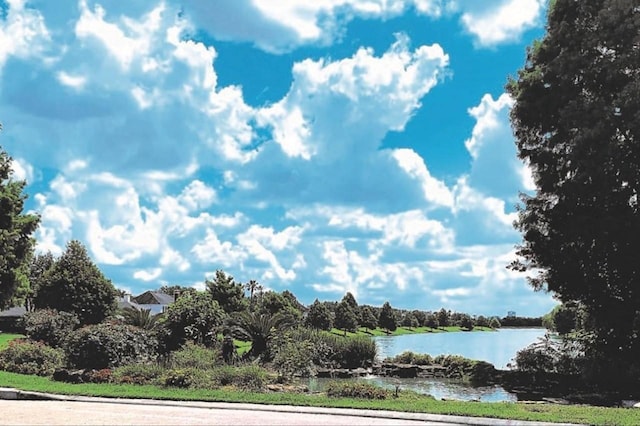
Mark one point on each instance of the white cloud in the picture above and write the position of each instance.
(147, 275)
(500, 21)
(23, 32)
(435, 191)
(74, 81)
(283, 26)
(22, 170)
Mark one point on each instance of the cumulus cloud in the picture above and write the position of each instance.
(167, 175)
(282, 26)
(496, 22)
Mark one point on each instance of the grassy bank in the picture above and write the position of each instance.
(408, 402)
(5, 338)
(405, 330)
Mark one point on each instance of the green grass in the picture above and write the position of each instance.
(5, 338)
(408, 402)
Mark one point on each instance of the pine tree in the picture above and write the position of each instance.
(16, 229)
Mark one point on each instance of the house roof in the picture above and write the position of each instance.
(153, 298)
(16, 311)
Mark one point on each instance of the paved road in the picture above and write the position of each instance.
(108, 413)
(36, 408)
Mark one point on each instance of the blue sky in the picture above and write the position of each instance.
(319, 147)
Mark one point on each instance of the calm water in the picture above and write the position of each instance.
(497, 347)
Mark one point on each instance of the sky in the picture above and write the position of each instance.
(320, 147)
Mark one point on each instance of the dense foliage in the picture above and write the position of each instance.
(28, 357)
(49, 326)
(109, 345)
(16, 228)
(195, 316)
(75, 284)
(577, 123)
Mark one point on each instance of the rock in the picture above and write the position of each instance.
(626, 403)
(559, 401)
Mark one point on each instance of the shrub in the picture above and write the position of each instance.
(27, 357)
(99, 376)
(178, 378)
(49, 326)
(294, 358)
(109, 345)
(251, 377)
(408, 357)
(138, 374)
(353, 352)
(196, 356)
(350, 389)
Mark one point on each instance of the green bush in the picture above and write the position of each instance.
(251, 377)
(49, 326)
(192, 355)
(109, 345)
(353, 352)
(351, 389)
(294, 359)
(408, 357)
(138, 374)
(28, 357)
(178, 378)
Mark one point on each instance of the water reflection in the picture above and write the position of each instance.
(438, 388)
(497, 347)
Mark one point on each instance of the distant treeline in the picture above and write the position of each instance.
(521, 321)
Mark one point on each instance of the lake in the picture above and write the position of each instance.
(497, 347)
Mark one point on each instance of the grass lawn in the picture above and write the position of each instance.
(408, 402)
(5, 338)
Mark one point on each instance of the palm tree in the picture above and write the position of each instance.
(259, 328)
(253, 286)
(141, 318)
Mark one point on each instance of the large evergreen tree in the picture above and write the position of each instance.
(16, 228)
(228, 293)
(387, 318)
(319, 316)
(75, 284)
(346, 318)
(576, 119)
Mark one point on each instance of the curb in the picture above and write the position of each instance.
(15, 394)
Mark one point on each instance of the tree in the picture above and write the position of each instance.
(421, 316)
(432, 321)
(368, 318)
(171, 290)
(346, 318)
(75, 284)
(577, 124)
(195, 317)
(253, 286)
(482, 321)
(443, 317)
(319, 316)
(494, 322)
(260, 329)
(387, 318)
(466, 322)
(141, 318)
(228, 293)
(409, 320)
(16, 228)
